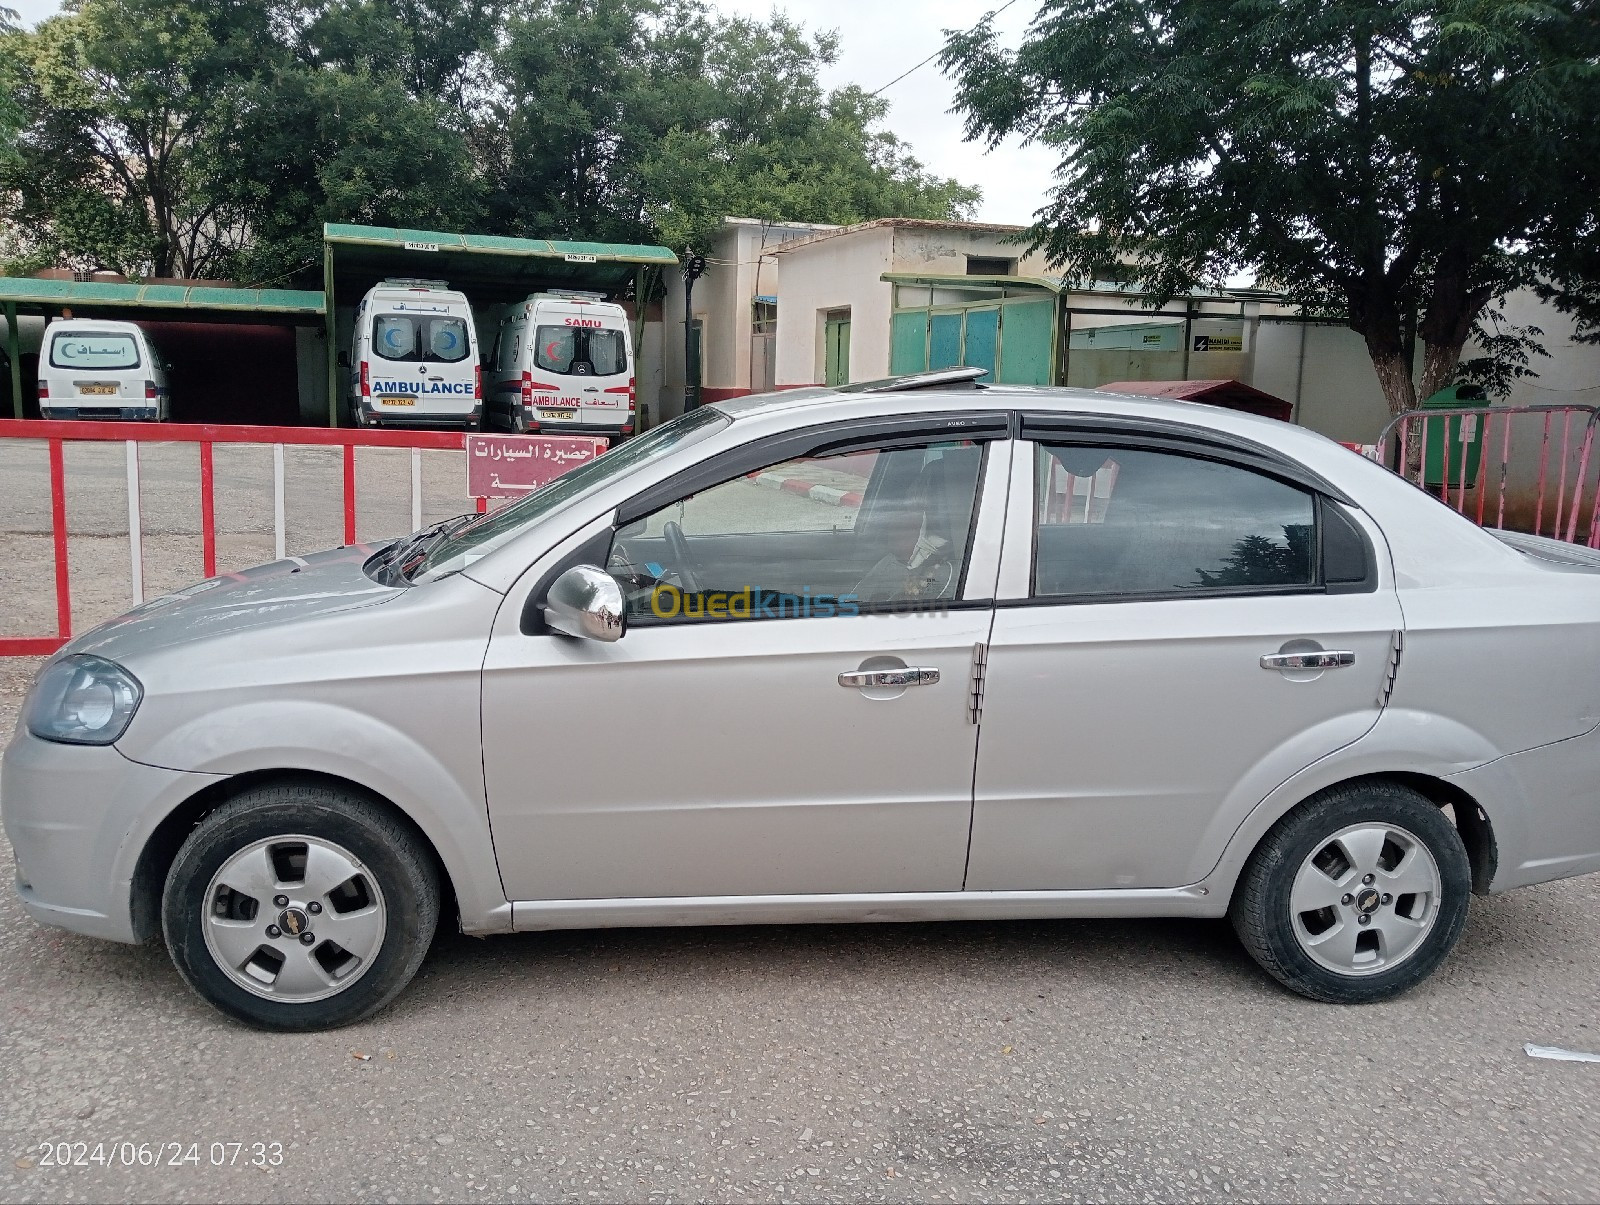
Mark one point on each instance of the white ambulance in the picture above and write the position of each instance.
(90, 368)
(563, 364)
(414, 359)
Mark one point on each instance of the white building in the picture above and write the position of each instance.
(788, 305)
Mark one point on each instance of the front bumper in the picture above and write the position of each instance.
(77, 817)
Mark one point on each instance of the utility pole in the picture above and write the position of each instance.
(694, 267)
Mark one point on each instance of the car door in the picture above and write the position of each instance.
(1140, 695)
(737, 741)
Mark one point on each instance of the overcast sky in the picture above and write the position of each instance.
(878, 40)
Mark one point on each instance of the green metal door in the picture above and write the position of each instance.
(983, 339)
(908, 342)
(944, 341)
(1027, 332)
(836, 350)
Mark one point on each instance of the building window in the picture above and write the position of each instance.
(988, 265)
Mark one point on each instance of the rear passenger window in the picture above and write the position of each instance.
(1114, 521)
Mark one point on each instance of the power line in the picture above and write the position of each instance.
(989, 16)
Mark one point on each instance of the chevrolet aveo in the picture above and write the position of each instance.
(914, 650)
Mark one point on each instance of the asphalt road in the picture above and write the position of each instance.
(1138, 1060)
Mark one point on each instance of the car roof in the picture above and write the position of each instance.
(909, 395)
(95, 324)
(930, 393)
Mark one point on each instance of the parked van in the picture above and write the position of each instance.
(414, 359)
(563, 363)
(91, 368)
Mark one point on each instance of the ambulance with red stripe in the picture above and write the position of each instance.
(563, 364)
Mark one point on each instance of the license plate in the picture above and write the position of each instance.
(398, 401)
(97, 390)
(558, 413)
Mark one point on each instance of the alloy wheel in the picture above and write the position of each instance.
(1364, 899)
(294, 918)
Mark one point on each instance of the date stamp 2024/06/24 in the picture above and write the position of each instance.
(130, 1153)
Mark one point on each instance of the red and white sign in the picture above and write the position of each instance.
(508, 466)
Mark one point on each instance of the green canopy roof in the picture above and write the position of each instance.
(489, 267)
(29, 293)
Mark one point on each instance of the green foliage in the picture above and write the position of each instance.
(771, 145)
(11, 115)
(1403, 161)
(216, 136)
(654, 120)
(117, 162)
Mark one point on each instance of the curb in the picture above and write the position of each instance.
(831, 495)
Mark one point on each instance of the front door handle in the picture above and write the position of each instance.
(1322, 659)
(910, 676)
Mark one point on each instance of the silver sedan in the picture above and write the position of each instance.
(913, 650)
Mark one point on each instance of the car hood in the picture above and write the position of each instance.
(265, 596)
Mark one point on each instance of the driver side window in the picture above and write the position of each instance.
(814, 536)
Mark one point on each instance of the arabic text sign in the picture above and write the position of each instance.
(508, 466)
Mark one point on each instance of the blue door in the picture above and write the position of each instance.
(944, 344)
(983, 330)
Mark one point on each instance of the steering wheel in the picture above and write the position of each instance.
(682, 562)
(941, 577)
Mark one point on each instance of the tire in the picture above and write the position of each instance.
(1349, 843)
(233, 874)
(519, 421)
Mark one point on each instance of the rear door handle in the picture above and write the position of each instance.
(1327, 659)
(910, 676)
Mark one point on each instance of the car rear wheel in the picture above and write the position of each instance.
(299, 907)
(1356, 895)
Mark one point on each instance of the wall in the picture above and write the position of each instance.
(835, 271)
(945, 250)
(739, 267)
(1335, 392)
(311, 369)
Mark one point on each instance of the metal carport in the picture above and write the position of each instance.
(493, 271)
(150, 303)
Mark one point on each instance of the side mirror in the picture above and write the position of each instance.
(586, 601)
(344, 359)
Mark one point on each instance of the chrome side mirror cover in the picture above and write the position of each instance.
(586, 602)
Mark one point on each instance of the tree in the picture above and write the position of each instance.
(215, 137)
(121, 102)
(1404, 162)
(651, 120)
(11, 116)
(773, 145)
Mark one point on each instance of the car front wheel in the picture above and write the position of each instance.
(300, 907)
(1356, 895)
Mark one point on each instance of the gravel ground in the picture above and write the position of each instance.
(1142, 1060)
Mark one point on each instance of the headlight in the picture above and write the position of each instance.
(83, 700)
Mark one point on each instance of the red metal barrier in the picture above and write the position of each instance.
(1405, 442)
(56, 433)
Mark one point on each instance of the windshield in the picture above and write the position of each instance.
(478, 539)
(87, 349)
(418, 338)
(575, 351)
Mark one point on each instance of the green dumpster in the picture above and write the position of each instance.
(1449, 439)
